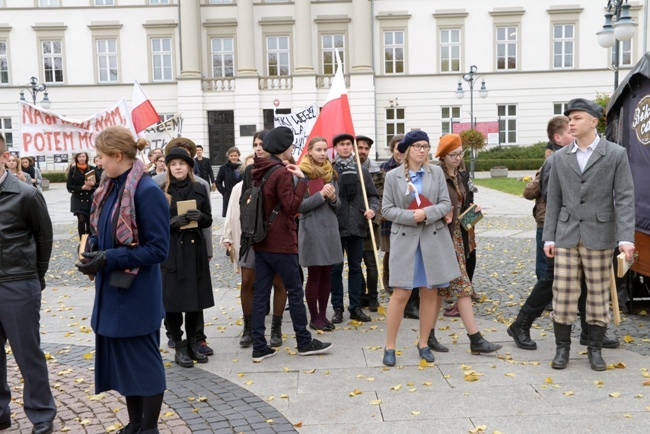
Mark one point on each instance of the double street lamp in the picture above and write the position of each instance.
(34, 88)
(612, 34)
(460, 93)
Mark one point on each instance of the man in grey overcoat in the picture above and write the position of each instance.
(589, 209)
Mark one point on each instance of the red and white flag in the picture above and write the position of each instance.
(142, 112)
(334, 118)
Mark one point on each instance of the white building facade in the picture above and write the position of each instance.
(227, 64)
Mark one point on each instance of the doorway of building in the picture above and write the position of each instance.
(221, 134)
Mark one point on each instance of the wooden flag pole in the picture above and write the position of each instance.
(614, 293)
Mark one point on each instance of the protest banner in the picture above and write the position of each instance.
(301, 123)
(162, 133)
(43, 132)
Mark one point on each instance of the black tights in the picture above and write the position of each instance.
(175, 321)
(144, 410)
(83, 224)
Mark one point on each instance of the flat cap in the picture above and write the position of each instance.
(277, 140)
(410, 138)
(179, 142)
(366, 139)
(584, 105)
(340, 137)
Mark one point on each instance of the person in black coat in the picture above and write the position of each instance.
(81, 190)
(204, 167)
(187, 286)
(228, 176)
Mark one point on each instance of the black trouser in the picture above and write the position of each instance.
(200, 332)
(369, 286)
(175, 321)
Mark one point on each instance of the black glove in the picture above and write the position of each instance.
(178, 221)
(41, 280)
(194, 215)
(96, 262)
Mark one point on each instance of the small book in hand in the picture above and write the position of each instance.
(623, 265)
(424, 202)
(470, 217)
(315, 185)
(90, 176)
(183, 207)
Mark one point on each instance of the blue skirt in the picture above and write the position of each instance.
(131, 366)
(420, 273)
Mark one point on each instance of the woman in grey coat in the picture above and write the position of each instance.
(319, 244)
(416, 201)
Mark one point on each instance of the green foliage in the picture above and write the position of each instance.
(55, 176)
(602, 99)
(472, 139)
(506, 185)
(512, 164)
(513, 152)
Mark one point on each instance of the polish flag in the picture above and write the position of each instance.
(143, 114)
(334, 118)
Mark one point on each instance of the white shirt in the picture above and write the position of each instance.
(583, 154)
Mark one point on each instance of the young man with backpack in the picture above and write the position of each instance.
(276, 252)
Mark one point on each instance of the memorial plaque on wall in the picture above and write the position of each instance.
(247, 130)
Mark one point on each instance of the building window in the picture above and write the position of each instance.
(559, 108)
(48, 3)
(107, 60)
(161, 58)
(448, 114)
(104, 2)
(563, 45)
(394, 52)
(332, 43)
(220, 2)
(450, 50)
(506, 48)
(4, 63)
(394, 122)
(159, 2)
(507, 124)
(5, 130)
(277, 55)
(624, 53)
(222, 57)
(52, 53)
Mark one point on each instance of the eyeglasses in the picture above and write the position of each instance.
(421, 147)
(455, 155)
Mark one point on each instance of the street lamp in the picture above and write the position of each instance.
(460, 93)
(34, 88)
(623, 30)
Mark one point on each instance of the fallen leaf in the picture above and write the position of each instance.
(615, 394)
(628, 416)
(620, 365)
(646, 383)
(84, 422)
(298, 424)
(375, 402)
(169, 414)
(355, 392)
(88, 356)
(568, 393)
(249, 382)
(427, 383)
(269, 420)
(203, 399)
(508, 374)
(98, 397)
(283, 396)
(628, 339)
(415, 413)
(599, 382)
(478, 429)
(410, 384)
(471, 377)
(638, 395)
(311, 371)
(397, 387)
(548, 380)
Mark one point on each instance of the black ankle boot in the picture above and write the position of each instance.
(596, 336)
(563, 343)
(130, 429)
(608, 342)
(181, 357)
(479, 345)
(520, 331)
(433, 343)
(246, 338)
(276, 331)
(194, 353)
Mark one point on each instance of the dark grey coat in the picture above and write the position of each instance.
(319, 242)
(352, 222)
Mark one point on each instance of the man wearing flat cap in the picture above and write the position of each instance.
(589, 211)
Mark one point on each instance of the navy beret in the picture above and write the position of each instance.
(343, 136)
(584, 105)
(410, 138)
(277, 140)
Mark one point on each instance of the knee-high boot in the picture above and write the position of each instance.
(563, 343)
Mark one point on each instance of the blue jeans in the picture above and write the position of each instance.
(354, 248)
(540, 256)
(267, 265)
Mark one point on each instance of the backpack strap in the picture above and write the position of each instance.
(276, 209)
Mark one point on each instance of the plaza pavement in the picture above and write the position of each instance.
(349, 390)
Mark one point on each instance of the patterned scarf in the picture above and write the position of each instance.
(126, 232)
(313, 171)
(347, 168)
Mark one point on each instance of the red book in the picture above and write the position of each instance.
(315, 185)
(423, 203)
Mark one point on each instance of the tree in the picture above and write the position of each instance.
(472, 139)
(602, 99)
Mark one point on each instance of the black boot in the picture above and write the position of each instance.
(563, 343)
(194, 353)
(130, 429)
(479, 345)
(520, 331)
(412, 309)
(150, 431)
(276, 331)
(433, 343)
(608, 342)
(181, 357)
(594, 349)
(246, 338)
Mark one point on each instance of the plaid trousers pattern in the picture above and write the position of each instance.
(570, 265)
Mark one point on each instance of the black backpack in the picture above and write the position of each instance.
(253, 225)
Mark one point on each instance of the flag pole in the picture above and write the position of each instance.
(371, 228)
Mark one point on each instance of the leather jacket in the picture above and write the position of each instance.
(25, 232)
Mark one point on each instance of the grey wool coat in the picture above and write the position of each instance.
(594, 206)
(433, 235)
(319, 242)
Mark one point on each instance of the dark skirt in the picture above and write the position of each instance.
(130, 366)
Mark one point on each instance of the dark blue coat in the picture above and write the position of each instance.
(138, 310)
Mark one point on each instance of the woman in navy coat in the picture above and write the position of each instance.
(130, 222)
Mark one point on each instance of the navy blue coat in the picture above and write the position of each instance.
(138, 310)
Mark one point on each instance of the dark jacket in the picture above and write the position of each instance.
(204, 168)
(136, 311)
(25, 231)
(282, 236)
(80, 200)
(352, 222)
(459, 206)
(532, 191)
(226, 180)
(187, 286)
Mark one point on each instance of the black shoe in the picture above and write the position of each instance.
(171, 343)
(608, 342)
(246, 338)
(337, 318)
(205, 349)
(130, 429)
(520, 332)
(5, 424)
(373, 304)
(259, 355)
(276, 331)
(194, 353)
(358, 315)
(433, 343)
(181, 357)
(411, 311)
(315, 347)
(479, 345)
(43, 428)
(563, 344)
(594, 349)
(150, 431)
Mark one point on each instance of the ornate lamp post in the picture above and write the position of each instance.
(622, 30)
(34, 88)
(460, 93)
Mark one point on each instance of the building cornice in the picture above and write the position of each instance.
(450, 13)
(160, 24)
(105, 25)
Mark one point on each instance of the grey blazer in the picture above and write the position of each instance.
(594, 206)
(433, 236)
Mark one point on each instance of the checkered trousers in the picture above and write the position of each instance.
(570, 265)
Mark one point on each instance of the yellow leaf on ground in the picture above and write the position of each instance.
(298, 425)
(375, 402)
(509, 374)
(249, 382)
(283, 396)
(619, 365)
(381, 310)
(471, 377)
(241, 374)
(355, 392)
(615, 394)
(88, 356)
(548, 380)
(410, 384)
(397, 387)
(370, 379)
(269, 420)
(203, 399)
(427, 383)
(311, 371)
(628, 339)
(415, 413)
(423, 363)
(599, 382)
(478, 429)
(84, 422)
(168, 364)
(65, 429)
(195, 410)
(98, 397)
(568, 393)
(628, 416)
(168, 414)
(646, 383)
(638, 395)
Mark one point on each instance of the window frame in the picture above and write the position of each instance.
(160, 2)
(222, 53)
(50, 3)
(113, 3)
(332, 52)
(394, 122)
(153, 53)
(450, 45)
(7, 131)
(108, 55)
(6, 59)
(395, 46)
(622, 52)
(446, 122)
(562, 106)
(506, 131)
(563, 40)
(278, 51)
(53, 57)
(506, 43)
